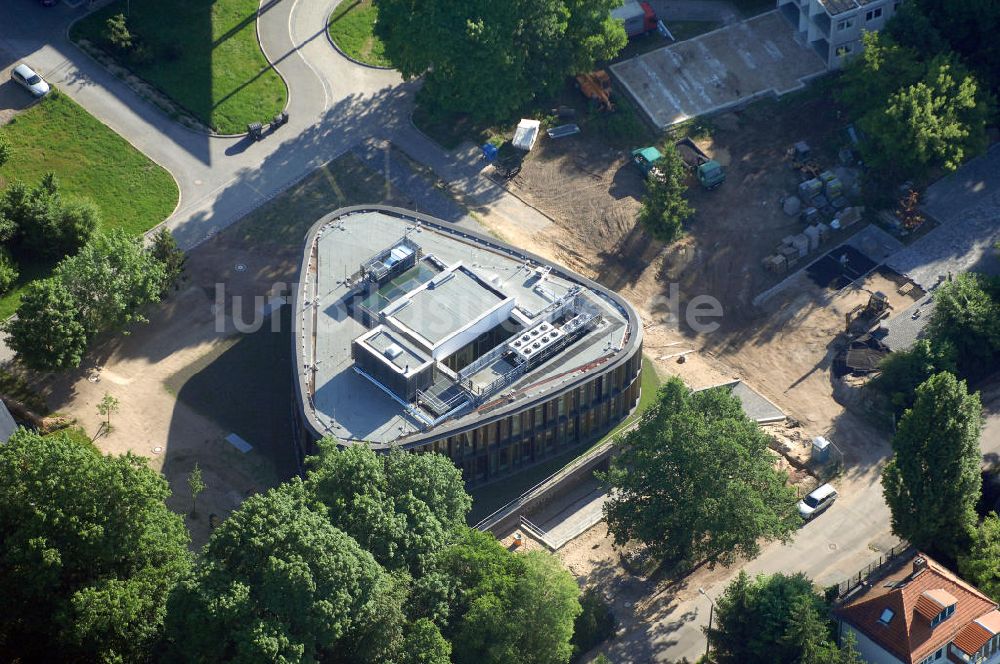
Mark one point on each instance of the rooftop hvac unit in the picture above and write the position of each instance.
(392, 351)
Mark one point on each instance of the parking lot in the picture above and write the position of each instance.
(720, 69)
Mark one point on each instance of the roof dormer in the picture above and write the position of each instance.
(936, 605)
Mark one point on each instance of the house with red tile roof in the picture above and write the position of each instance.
(921, 613)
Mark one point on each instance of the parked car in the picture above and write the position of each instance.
(26, 77)
(816, 502)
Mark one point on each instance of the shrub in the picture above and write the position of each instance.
(8, 271)
(5, 150)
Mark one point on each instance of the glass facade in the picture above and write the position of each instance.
(514, 441)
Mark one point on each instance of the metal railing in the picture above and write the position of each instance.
(885, 561)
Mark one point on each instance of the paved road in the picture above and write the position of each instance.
(333, 106)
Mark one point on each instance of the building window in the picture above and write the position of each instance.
(845, 24)
(887, 615)
(844, 49)
(873, 14)
(944, 615)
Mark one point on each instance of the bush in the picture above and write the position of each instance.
(4, 150)
(48, 226)
(594, 625)
(8, 271)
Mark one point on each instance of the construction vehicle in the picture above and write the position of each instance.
(708, 171)
(596, 86)
(645, 159)
(864, 316)
(637, 17)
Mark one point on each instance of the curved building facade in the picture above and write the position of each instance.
(411, 332)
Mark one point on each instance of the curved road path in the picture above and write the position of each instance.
(334, 105)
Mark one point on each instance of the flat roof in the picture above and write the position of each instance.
(395, 349)
(339, 401)
(445, 305)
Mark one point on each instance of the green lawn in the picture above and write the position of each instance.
(90, 161)
(352, 27)
(204, 54)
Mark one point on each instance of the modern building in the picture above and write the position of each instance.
(412, 332)
(833, 28)
(921, 613)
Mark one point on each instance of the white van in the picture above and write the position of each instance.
(817, 501)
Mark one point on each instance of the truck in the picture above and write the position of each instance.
(708, 171)
(637, 17)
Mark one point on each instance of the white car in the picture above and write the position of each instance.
(26, 77)
(817, 501)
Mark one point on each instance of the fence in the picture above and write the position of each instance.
(899, 553)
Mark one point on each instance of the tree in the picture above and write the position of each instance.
(981, 565)
(595, 624)
(490, 59)
(400, 507)
(505, 606)
(695, 481)
(939, 121)
(48, 226)
(112, 279)
(425, 645)
(117, 34)
(774, 620)
(967, 316)
(279, 583)
(196, 485)
(904, 370)
(165, 250)
(105, 408)
(933, 482)
(90, 552)
(883, 68)
(664, 208)
(47, 334)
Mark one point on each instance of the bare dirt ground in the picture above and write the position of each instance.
(784, 348)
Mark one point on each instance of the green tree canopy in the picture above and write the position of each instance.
(695, 481)
(398, 506)
(981, 564)
(112, 279)
(46, 225)
(903, 371)
(165, 250)
(489, 59)
(776, 619)
(279, 583)
(967, 316)
(90, 552)
(47, 334)
(933, 482)
(505, 606)
(664, 208)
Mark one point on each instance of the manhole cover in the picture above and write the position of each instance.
(833, 546)
(157, 449)
(241, 267)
